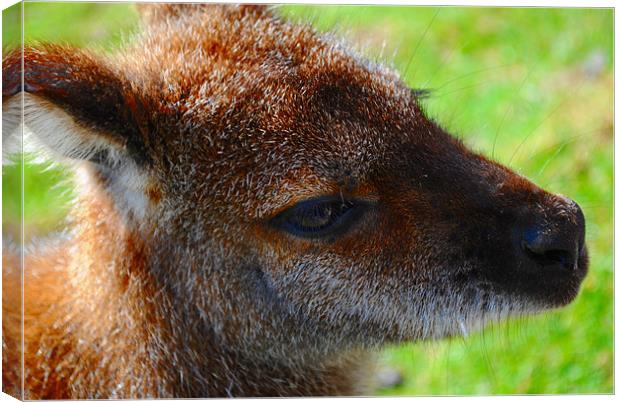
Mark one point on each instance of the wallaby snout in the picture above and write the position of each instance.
(483, 229)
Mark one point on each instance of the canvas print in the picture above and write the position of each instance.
(237, 200)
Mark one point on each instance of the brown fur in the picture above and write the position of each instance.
(188, 142)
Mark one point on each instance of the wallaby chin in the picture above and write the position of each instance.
(258, 208)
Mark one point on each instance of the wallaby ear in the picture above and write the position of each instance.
(75, 105)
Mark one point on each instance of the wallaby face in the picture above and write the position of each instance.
(283, 200)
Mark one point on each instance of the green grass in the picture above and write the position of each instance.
(531, 87)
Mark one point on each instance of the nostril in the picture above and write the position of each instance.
(554, 240)
(549, 257)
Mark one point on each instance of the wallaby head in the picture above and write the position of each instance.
(281, 201)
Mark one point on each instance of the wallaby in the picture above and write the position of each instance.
(259, 209)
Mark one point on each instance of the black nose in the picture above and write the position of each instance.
(557, 239)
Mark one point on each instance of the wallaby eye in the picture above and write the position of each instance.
(320, 217)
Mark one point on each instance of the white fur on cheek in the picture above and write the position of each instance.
(127, 188)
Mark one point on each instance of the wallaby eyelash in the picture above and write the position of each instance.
(342, 214)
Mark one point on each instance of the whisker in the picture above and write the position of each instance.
(509, 109)
(476, 85)
(555, 110)
(472, 73)
(568, 140)
(443, 63)
(487, 358)
(415, 50)
(555, 154)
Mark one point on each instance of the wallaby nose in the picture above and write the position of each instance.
(556, 241)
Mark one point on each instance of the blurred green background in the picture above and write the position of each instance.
(531, 87)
